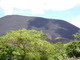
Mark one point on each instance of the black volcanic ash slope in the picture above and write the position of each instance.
(53, 27)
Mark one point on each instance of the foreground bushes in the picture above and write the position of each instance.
(26, 45)
(73, 49)
(32, 45)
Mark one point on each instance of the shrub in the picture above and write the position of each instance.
(73, 49)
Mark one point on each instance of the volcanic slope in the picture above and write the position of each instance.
(56, 29)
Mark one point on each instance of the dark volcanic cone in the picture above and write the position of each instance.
(53, 27)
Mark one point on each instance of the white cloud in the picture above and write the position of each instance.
(75, 21)
(37, 6)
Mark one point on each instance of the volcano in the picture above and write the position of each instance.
(57, 30)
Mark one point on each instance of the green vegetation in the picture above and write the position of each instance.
(77, 36)
(73, 49)
(32, 45)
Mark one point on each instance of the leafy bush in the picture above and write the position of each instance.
(32, 45)
(77, 36)
(25, 45)
(73, 49)
(8, 52)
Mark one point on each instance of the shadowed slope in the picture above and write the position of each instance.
(53, 27)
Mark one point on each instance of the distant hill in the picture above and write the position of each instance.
(54, 28)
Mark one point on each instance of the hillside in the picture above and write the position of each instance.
(54, 28)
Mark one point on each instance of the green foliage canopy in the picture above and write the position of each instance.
(32, 45)
(26, 45)
(77, 35)
(73, 49)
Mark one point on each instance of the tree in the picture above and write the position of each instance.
(73, 49)
(26, 45)
(59, 50)
(9, 52)
(77, 35)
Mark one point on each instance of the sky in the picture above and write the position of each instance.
(68, 10)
